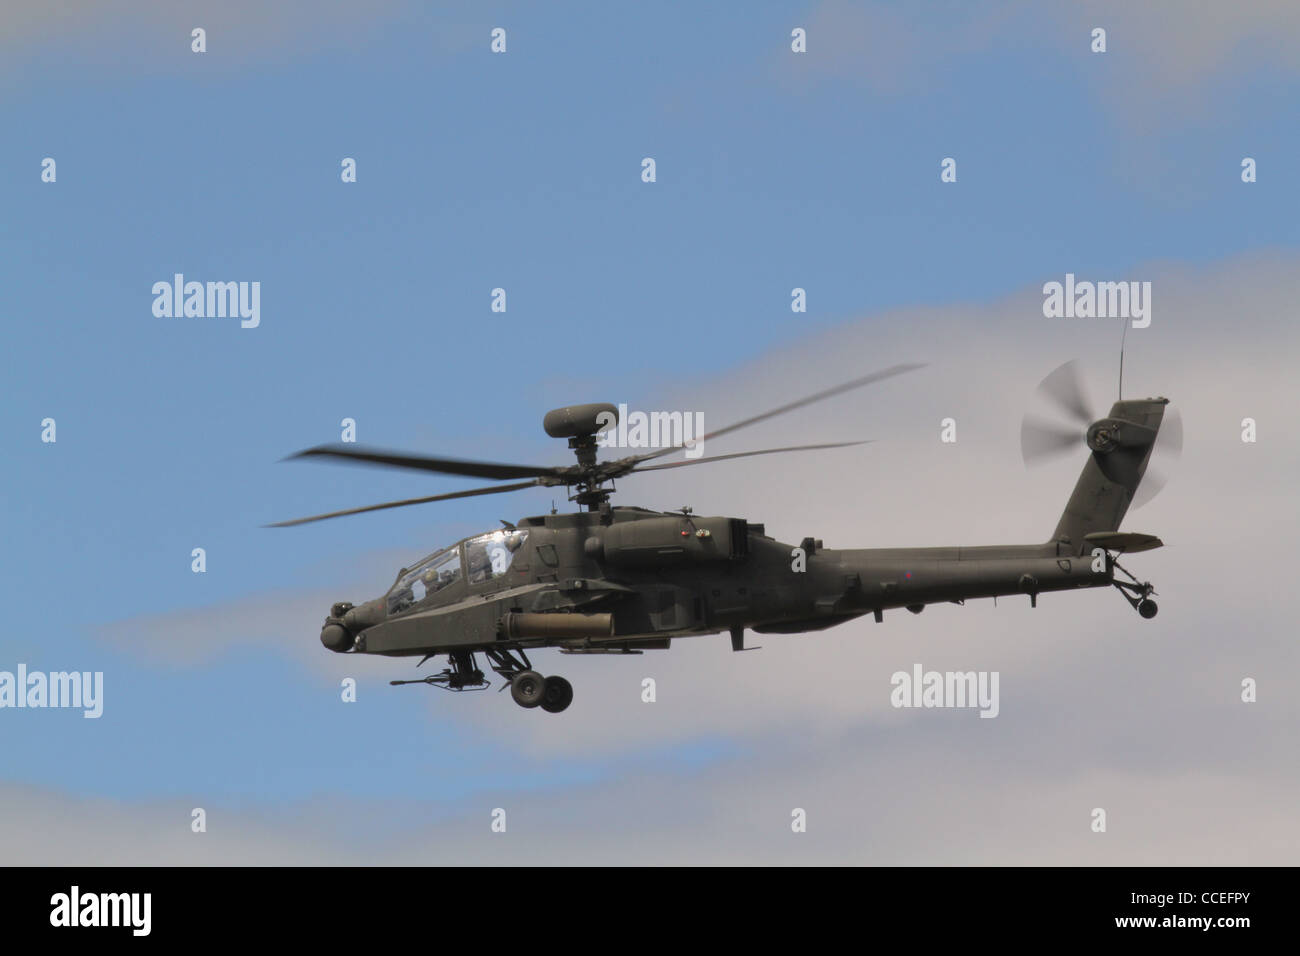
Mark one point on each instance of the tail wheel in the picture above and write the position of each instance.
(557, 694)
(528, 688)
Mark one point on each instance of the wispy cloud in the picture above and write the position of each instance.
(1164, 58)
(134, 36)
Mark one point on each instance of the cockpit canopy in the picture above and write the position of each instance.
(476, 560)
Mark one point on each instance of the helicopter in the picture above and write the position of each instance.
(609, 579)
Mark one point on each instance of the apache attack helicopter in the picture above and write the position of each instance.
(622, 580)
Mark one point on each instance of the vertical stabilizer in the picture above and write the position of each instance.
(1120, 445)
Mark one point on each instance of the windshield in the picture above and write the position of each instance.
(433, 574)
(490, 555)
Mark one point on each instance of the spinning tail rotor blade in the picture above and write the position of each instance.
(1170, 440)
(1040, 440)
(1168, 448)
(1152, 484)
(1065, 388)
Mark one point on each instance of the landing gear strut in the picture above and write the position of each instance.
(1137, 593)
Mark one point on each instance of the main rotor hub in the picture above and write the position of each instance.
(584, 448)
(581, 424)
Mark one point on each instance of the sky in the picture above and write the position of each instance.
(522, 170)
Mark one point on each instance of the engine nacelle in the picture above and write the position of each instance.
(655, 542)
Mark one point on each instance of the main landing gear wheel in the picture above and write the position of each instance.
(528, 688)
(1147, 609)
(557, 694)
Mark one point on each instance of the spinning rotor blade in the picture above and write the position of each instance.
(588, 477)
(1064, 386)
(473, 492)
(1170, 439)
(1040, 440)
(1168, 448)
(747, 454)
(443, 466)
(1152, 484)
(791, 406)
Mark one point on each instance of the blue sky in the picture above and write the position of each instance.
(477, 171)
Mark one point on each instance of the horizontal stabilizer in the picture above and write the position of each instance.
(1127, 542)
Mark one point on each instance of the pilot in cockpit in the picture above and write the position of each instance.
(480, 566)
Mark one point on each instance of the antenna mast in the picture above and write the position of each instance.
(1122, 339)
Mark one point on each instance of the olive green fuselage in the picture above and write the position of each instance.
(667, 575)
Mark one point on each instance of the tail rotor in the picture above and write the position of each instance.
(1075, 425)
(1041, 439)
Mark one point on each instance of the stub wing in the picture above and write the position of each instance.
(1127, 542)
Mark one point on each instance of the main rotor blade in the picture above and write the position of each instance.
(443, 466)
(747, 454)
(473, 492)
(791, 406)
(1039, 440)
(1064, 386)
